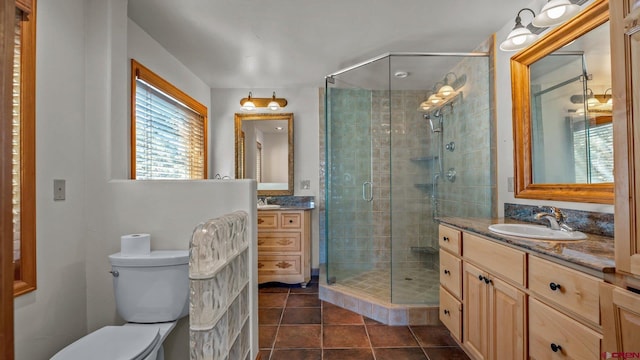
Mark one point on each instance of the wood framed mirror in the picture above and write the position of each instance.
(529, 141)
(264, 151)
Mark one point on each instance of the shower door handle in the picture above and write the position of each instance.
(365, 196)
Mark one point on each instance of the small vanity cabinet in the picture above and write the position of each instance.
(517, 305)
(451, 280)
(284, 246)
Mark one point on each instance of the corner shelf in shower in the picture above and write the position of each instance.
(424, 187)
(424, 249)
(424, 158)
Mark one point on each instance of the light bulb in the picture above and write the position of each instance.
(556, 12)
(434, 99)
(273, 106)
(249, 105)
(519, 40)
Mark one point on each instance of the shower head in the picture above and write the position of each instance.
(436, 115)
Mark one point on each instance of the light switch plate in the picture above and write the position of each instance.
(59, 191)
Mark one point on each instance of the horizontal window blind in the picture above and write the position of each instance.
(15, 134)
(170, 137)
(592, 153)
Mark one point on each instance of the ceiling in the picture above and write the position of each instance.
(289, 43)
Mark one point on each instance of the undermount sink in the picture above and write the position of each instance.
(270, 206)
(536, 232)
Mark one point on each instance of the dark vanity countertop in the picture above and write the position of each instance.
(285, 208)
(594, 253)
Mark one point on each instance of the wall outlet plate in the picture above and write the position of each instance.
(305, 184)
(59, 191)
(510, 184)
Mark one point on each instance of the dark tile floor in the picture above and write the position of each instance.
(295, 325)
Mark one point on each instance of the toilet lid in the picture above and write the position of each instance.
(113, 343)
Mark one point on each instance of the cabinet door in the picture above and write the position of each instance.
(476, 312)
(625, 64)
(620, 320)
(507, 320)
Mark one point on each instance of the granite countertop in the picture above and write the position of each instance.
(594, 253)
(301, 207)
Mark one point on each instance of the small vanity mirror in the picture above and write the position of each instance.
(264, 151)
(561, 88)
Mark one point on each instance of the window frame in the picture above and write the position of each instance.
(27, 280)
(140, 71)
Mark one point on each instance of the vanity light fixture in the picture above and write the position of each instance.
(247, 103)
(609, 97)
(446, 89)
(591, 99)
(520, 37)
(555, 12)
(273, 103)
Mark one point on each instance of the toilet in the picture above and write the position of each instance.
(152, 294)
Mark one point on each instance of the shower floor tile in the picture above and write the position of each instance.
(411, 286)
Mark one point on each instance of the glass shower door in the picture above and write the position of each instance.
(354, 251)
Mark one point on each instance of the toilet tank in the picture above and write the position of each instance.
(151, 288)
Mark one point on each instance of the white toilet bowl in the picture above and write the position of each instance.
(151, 291)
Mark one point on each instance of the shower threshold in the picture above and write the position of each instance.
(376, 308)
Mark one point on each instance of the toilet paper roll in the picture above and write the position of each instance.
(135, 244)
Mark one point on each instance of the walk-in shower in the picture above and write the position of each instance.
(388, 176)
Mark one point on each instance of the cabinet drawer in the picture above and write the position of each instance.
(549, 328)
(279, 241)
(577, 292)
(290, 220)
(279, 264)
(450, 273)
(451, 313)
(450, 239)
(267, 220)
(498, 259)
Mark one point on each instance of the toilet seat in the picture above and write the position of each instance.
(113, 343)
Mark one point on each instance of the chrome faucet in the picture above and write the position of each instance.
(556, 219)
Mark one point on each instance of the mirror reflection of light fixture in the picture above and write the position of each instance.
(591, 99)
(247, 103)
(273, 103)
(610, 97)
(595, 102)
(520, 37)
(555, 12)
(446, 89)
(443, 92)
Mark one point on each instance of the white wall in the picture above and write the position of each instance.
(144, 49)
(303, 103)
(505, 128)
(82, 134)
(55, 314)
(276, 158)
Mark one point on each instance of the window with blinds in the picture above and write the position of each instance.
(592, 153)
(15, 134)
(23, 158)
(169, 130)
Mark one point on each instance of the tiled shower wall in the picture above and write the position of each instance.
(470, 127)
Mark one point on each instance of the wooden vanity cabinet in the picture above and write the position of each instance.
(450, 241)
(620, 311)
(494, 310)
(483, 312)
(284, 246)
(515, 305)
(625, 64)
